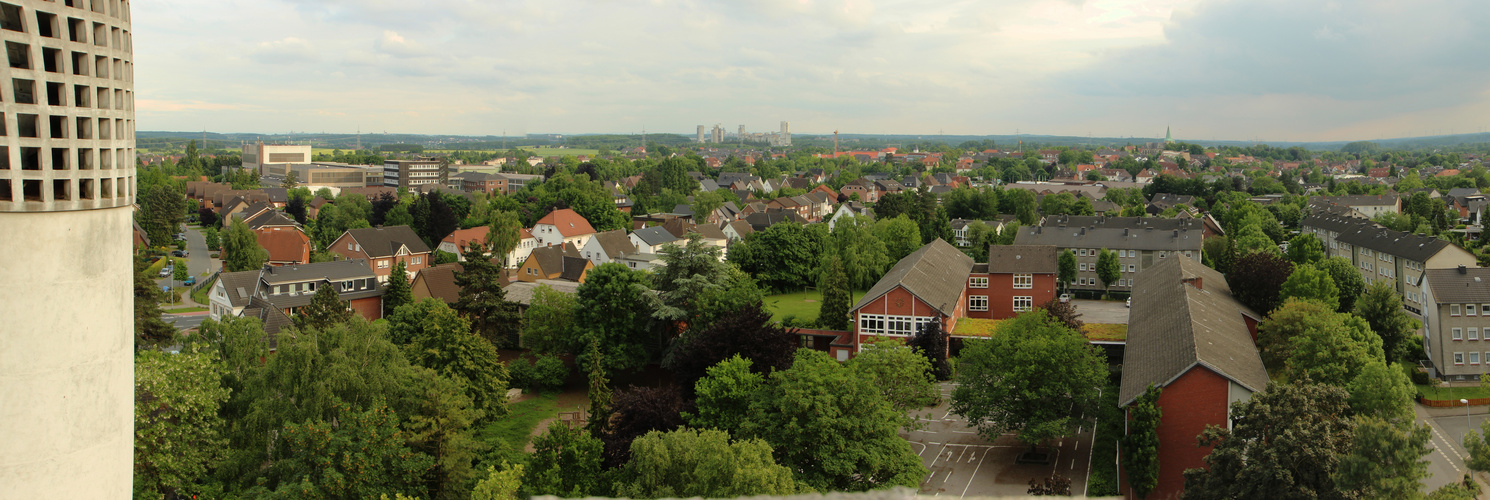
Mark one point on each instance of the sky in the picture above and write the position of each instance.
(1279, 70)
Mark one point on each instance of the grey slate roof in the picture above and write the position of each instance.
(614, 243)
(1404, 245)
(552, 258)
(385, 241)
(1110, 238)
(1358, 200)
(1174, 327)
(1022, 259)
(269, 219)
(655, 235)
(240, 286)
(1451, 287)
(1158, 223)
(936, 273)
(340, 270)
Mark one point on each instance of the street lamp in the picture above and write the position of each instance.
(1467, 425)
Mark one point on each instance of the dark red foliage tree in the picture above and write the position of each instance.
(932, 343)
(1257, 277)
(747, 331)
(638, 410)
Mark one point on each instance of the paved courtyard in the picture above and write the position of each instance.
(963, 463)
(1102, 311)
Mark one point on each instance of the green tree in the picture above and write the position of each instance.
(1251, 239)
(901, 375)
(1312, 340)
(687, 463)
(781, 257)
(1285, 442)
(1108, 268)
(162, 210)
(704, 204)
(177, 431)
(1067, 269)
(1386, 459)
(833, 313)
(1382, 391)
(1381, 307)
(503, 234)
(482, 300)
(832, 428)
(211, 236)
(1308, 283)
(549, 322)
(1305, 249)
(1347, 280)
(863, 256)
(363, 455)
(1034, 376)
(1256, 279)
(292, 179)
(900, 235)
(615, 312)
(692, 271)
(500, 484)
(565, 463)
(241, 250)
(724, 395)
(441, 340)
(325, 309)
(397, 291)
(1141, 445)
(600, 392)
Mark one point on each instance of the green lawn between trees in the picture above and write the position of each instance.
(507, 437)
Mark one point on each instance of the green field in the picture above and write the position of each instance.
(547, 152)
(509, 435)
(803, 305)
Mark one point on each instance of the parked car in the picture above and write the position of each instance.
(166, 271)
(180, 236)
(190, 280)
(1129, 303)
(178, 253)
(1065, 297)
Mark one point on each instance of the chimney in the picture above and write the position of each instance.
(1195, 281)
(1463, 270)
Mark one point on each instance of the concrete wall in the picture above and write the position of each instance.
(66, 355)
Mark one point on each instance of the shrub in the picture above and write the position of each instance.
(520, 373)
(549, 372)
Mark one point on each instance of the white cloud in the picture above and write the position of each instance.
(1111, 67)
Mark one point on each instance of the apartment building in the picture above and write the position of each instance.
(1137, 248)
(1456, 322)
(410, 174)
(1381, 254)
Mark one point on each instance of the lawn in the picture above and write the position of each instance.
(1452, 393)
(507, 436)
(1105, 332)
(547, 152)
(180, 310)
(200, 295)
(802, 305)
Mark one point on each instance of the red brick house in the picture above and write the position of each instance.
(867, 191)
(384, 247)
(1187, 335)
(929, 285)
(285, 246)
(1016, 278)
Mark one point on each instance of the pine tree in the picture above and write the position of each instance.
(833, 314)
(482, 300)
(325, 309)
(600, 393)
(397, 292)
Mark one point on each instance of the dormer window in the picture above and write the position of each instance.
(346, 286)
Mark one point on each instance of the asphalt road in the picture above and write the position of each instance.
(1447, 460)
(198, 260)
(185, 321)
(962, 463)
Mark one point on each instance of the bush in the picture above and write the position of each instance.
(520, 373)
(549, 372)
(214, 256)
(1418, 377)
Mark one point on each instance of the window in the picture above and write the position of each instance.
(977, 282)
(1458, 358)
(418, 260)
(278, 289)
(1474, 333)
(1458, 333)
(977, 303)
(1469, 309)
(1132, 268)
(349, 246)
(383, 264)
(1081, 252)
(1024, 281)
(1453, 309)
(1474, 358)
(1022, 304)
(1083, 266)
(346, 286)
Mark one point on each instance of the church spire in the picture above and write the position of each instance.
(1168, 138)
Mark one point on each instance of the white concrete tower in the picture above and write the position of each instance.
(67, 184)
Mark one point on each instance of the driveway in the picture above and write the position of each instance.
(198, 260)
(962, 463)
(1102, 311)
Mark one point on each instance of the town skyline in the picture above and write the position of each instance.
(1276, 71)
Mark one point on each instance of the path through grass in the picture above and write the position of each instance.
(508, 435)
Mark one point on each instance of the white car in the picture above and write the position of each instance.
(1129, 303)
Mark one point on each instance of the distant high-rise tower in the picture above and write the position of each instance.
(67, 185)
(718, 134)
(700, 138)
(786, 134)
(742, 132)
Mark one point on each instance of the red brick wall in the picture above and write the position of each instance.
(899, 302)
(370, 308)
(1190, 403)
(1001, 294)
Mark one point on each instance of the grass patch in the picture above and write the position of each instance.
(547, 152)
(180, 310)
(507, 436)
(1454, 393)
(154, 270)
(978, 327)
(200, 295)
(803, 305)
(1104, 481)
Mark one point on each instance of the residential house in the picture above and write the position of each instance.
(1165, 201)
(607, 246)
(1137, 249)
(927, 286)
(652, 239)
(737, 230)
(561, 262)
(381, 248)
(285, 247)
(1381, 254)
(1015, 279)
(1206, 223)
(960, 232)
(438, 282)
(863, 189)
(289, 288)
(1371, 205)
(563, 226)
(1190, 337)
(849, 209)
(270, 220)
(759, 221)
(459, 241)
(478, 182)
(230, 294)
(1456, 323)
(641, 261)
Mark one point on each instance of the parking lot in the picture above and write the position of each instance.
(963, 463)
(1102, 311)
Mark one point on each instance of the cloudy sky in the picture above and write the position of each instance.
(1212, 69)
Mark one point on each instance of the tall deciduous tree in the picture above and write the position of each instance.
(1305, 249)
(504, 233)
(931, 343)
(1108, 268)
(1308, 283)
(901, 375)
(565, 463)
(636, 411)
(398, 291)
(688, 463)
(482, 300)
(240, 248)
(363, 455)
(1257, 277)
(1141, 445)
(549, 322)
(1386, 459)
(900, 235)
(1381, 307)
(441, 340)
(1066, 270)
(723, 397)
(325, 309)
(1308, 338)
(1347, 281)
(614, 310)
(1285, 442)
(748, 331)
(500, 484)
(1033, 377)
(178, 433)
(833, 313)
(1382, 391)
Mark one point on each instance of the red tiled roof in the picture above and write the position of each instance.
(569, 222)
(285, 246)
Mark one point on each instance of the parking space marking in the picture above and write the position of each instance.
(974, 476)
